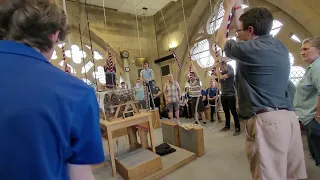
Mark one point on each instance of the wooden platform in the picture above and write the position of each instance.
(170, 163)
(138, 164)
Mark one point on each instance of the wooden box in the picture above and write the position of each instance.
(192, 140)
(155, 120)
(170, 133)
(138, 164)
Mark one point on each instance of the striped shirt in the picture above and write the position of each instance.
(195, 88)
(171, 91)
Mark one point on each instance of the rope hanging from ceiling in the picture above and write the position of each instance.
(67, 42)
(91, 48)
(146, 93)
(170, 42)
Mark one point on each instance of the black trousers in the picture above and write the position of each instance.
(229, 104)
(187, 111)
(313, 136)
(212, 109)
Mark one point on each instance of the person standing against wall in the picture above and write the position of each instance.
(307, 97)
(228, 96)
(156, 94)
(146, 75)
(172, 96)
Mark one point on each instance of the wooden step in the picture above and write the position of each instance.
(138, 164)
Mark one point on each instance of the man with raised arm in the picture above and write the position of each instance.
(264, 66)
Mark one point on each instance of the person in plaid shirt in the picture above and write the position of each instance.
(172, 96)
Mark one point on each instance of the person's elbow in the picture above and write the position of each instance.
(80, 172)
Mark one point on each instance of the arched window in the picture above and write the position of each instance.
(296, 74)
(276, 27)
(212, 27)
(295, 38)
(200, 53)
(291, 59)
(87, 81)
(97, 55)
(54, 56)
(121, 79)
(86, 68)
(77, 54)
(233, 64)
(100, 75)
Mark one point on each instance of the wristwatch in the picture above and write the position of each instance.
(317, 118)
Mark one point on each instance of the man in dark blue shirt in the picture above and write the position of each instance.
(49, 119)
(212, 97)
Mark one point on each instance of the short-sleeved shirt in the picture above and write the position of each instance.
(172, 91)
(147, 74)
(263, 72)
(212, 92)
(195, 88)
(307, 93)
(228, 85)
(49, 118)
(155, 90)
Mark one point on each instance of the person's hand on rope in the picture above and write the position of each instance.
(228, 4)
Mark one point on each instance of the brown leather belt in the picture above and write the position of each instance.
(269, 109)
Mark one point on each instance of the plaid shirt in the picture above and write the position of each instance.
(171, 91)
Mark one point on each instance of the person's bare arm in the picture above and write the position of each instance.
(318, 110)
(221, 77)
(80, 172)
(221, 38)
(316, 82)
(158, 94)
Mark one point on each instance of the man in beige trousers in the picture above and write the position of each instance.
(273, 143)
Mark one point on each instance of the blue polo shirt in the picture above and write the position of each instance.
(48, 118)
(212, 92)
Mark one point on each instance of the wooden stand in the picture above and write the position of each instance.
(138, 164)
(126, 105)
(170, 133)
(192, 140)
(125, 123)
(155, 119)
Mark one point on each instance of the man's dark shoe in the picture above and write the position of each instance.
(224, 129)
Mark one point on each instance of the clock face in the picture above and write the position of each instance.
(125, 54)
(127, 69)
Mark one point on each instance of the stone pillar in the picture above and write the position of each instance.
(126, 73)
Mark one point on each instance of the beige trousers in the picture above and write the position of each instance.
(274, 146)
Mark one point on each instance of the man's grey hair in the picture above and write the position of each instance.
(314, 41)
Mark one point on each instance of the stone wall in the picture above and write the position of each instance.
(120, 32)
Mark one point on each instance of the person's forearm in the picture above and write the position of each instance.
(221, 34)
(318, 110)
(80, 172)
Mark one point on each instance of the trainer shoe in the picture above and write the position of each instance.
(224, 129)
